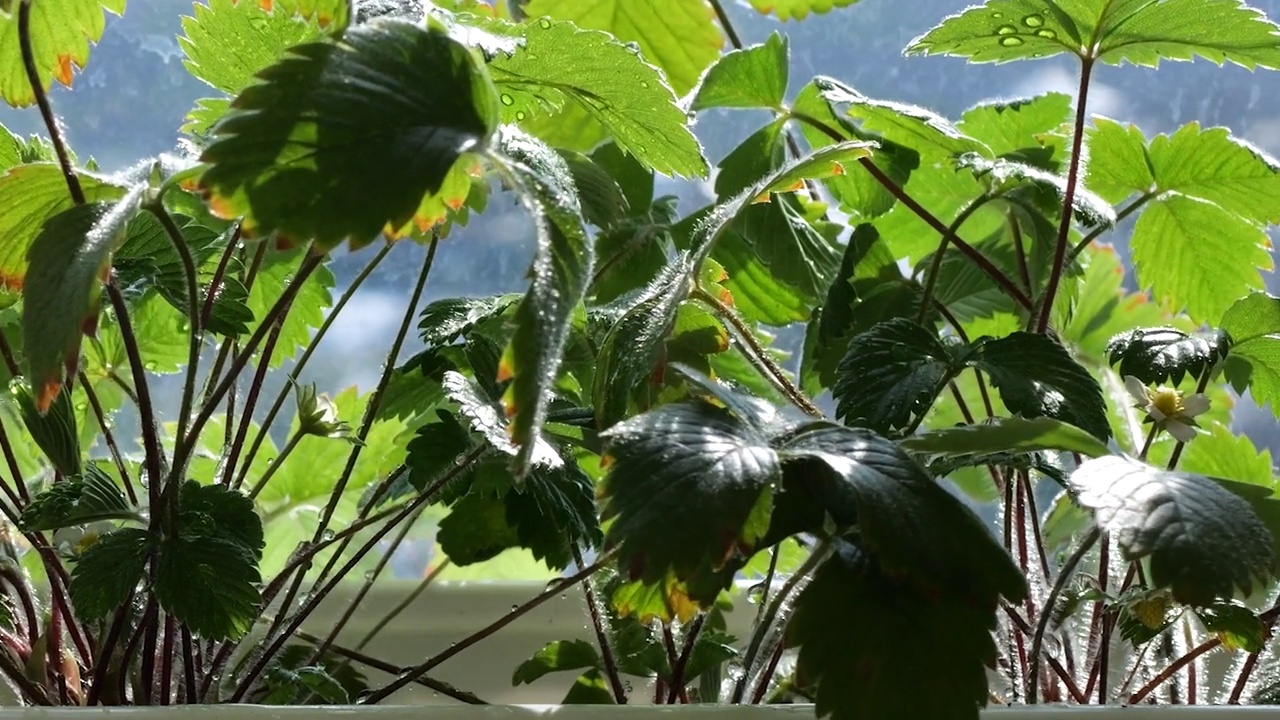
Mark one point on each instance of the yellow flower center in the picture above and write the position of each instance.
(1168, 401)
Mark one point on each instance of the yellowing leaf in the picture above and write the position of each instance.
(797, 9)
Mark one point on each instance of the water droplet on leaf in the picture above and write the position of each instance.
(1047, 33)
(545, 24)
(1034, 21)
(1011, 41)
(1006, 30)
(520, 115)
(997, 15)
(507, 100)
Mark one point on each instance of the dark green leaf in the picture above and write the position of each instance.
(1037, 377)
(215, 511)
(1203, 541)
(1235, 624)
(589, 689)
(1139, 32)
(629, 98)
(753, 77)
(913, 526)
(562, 266)
(1018, 434)
(557, 656)
(54, 430)
(444, 321)
(314, 155)
(1154, 355)
(859, 627)
(61, 295)
(690, 485)
(78, 501)
(633, 177)
(476, 530)
(313, 684)
(487, 420)
(1254, 325)
(891, 374)
(210, 584)
(553, 510)
(108, 571)
(603, 203)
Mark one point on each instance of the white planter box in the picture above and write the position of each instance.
(449, 612)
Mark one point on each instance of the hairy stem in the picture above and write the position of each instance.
(678, 680)
(602, 637)
(354, 655)
(931, 279)
(403, 605)
(153, 455)
(219, 274)
(196, 334)
(275, 464)
(250, 402)
(296, 372)
(42, 100)
(1068, 197)
(1037, 641)
(759, 357)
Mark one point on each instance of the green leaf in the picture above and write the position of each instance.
(1017, 129)
(560, 61)
(1254, 325)
(1002, 434)
(1154, 355)
(891, 374)
(690, 485)
(53, 430)
(67, 259)
(603, 202)
(228, 42)
(31, 196)
(289, 687)
(314, 155)
(557, 656)
(914, 527)
(757, 293)
(218, 512)
(635, 180)
(60, 36)
(1139, 32)
(1236, 625)
(679, 37)
(1220, 453)
(562, 264)
(444, 321)
(108, 571)
(1203, 541)
(553, 510)
(797, 9)
(81, 500)
(924, 131)
(589, 689)
(1200, 240)
(487, 420)
(858, 627)
(1037, 377)
(754, 77)
(475, 530)
(210, 584)
(1104, 308)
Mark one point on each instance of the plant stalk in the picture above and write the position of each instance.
(1042, 624)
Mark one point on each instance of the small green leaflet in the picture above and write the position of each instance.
(1203, 541)
(1200, 241)
(754, 77)
(922, 130)
(557, 656)
(1221, 453)
(60, 35)
(315, 156)
(678, 36)
(1139, 32)
(797, 9)
(82, 500)
(1254, 363)
(559, 62)
(1018, 129)
(53, 429)
(891, 374)
(108, 571)
(227, 42)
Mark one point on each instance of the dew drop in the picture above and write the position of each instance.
(545, 24)
(1034, 21)
(514, 608)
(1006, 30)
(507, 100)
(520, 115)
(150, 365)
(1047, 33)
(997, 15)
(327, 536)
(644, 84)
(1011, 41)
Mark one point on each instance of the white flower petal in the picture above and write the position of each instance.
(1193, 405)
(1180, 431)
(1137, 389)
(1155, 413)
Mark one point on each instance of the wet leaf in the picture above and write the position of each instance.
(60, 36)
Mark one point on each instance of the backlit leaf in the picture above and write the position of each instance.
(1018, 434)
(754, 77)
(1203, 541)
(679, 36)
(557, 656)
(227, 42)
(797, 9)
(561, 62)
(1139, 32)
(316, 156)
(60, 37)
(1254, 325)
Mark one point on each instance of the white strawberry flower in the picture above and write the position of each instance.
(1169, 408)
